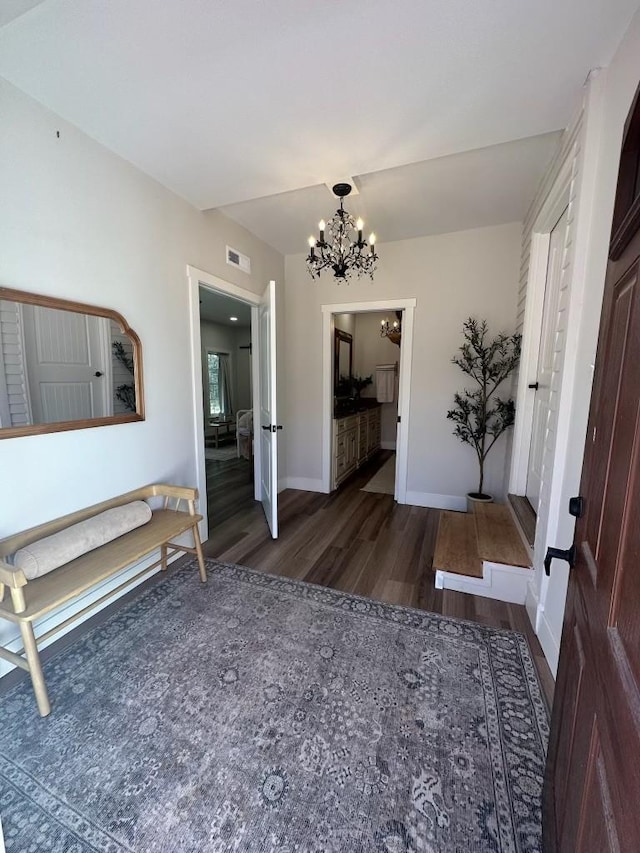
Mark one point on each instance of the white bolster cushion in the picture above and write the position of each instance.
(49, 553)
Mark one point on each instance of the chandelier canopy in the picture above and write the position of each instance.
(343, 250)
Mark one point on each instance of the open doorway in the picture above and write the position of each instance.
(226, 345)
(366, 388)
(365, 398)
(223, 423)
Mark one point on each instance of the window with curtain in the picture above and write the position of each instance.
(219, 384)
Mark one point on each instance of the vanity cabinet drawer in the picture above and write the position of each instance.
(355, 439)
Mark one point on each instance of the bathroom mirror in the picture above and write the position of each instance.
(343, 364)
(65, 365)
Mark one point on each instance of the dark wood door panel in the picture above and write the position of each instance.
(623, 617)
(592, 793)
(597, 819)
(602, 430)
(614, 519)
(573, 731)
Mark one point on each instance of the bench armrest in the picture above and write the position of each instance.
(11, 576)
(180, 492)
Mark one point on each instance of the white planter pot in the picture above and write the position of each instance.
(476, 499)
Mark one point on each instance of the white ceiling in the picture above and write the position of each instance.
(219, 308)
(224, 101)
(489, 186)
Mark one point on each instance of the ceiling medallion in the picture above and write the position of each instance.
(344, 251)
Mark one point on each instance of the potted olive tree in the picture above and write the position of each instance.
(479, 415)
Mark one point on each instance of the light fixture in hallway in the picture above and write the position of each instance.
(393, 331)
(342, 249)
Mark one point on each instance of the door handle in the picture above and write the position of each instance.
(98, 373)
(267, 427)
(533, 385)
(568, 554)
(271, 427)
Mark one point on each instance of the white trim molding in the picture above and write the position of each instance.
(303, 484)
(407, 306)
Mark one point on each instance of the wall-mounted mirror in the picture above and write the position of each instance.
(343, 364)
(65, 365)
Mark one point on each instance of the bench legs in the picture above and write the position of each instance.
(200, 555)
(35, 668)
(163, 557)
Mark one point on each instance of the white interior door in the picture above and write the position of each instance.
(268, 425)
(552, 337)
(67, 360)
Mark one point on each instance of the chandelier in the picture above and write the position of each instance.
(392, 331)
(344, 251)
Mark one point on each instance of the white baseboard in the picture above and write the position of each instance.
(500, 582)
(388, 445)
(532, 604)
(549, 643)
(436, 501)
(305, 484)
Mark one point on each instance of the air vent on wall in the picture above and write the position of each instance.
(237, 259)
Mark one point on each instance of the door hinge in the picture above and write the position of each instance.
(399, 419)
(568, 554)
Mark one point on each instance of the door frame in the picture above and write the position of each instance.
(199, 278)
(552, 209)
(404, 382)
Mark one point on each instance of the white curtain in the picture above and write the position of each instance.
(226, 403)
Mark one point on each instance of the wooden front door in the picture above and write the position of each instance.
(592, 789)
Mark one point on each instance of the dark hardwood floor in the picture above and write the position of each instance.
(359, 542)
(229, 488)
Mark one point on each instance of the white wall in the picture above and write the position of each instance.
(346, 323)
(78, 222)
(451, 276)
(608, 98)
(371, 349)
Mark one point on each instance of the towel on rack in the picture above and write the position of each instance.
(385, 383)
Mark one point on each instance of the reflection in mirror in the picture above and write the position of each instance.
(342, 370)
(64, 365)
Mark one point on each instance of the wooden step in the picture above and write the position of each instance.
(526, 516)
(457, 545)
(498, 538)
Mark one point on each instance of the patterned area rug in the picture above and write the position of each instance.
(258, 713)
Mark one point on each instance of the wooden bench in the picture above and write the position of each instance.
(32, 599)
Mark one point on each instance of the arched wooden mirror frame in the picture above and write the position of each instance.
(26, 298)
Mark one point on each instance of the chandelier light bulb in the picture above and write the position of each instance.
(359, 224)
(321, 225)
(372, 239)
(312, 242)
